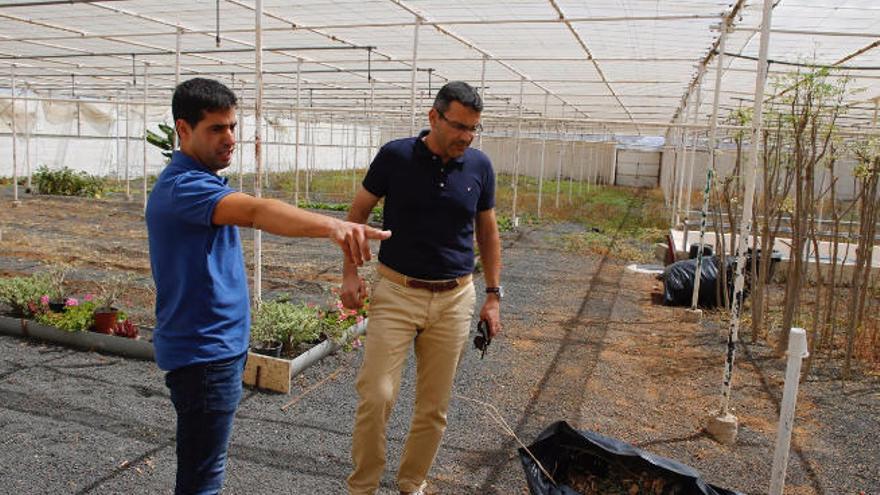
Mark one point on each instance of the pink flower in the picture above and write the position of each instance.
(71, 301)
(359, 319)
(44, 300)
(356, 343)
(88, 297)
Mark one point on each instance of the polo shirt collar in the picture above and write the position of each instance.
(423, 151)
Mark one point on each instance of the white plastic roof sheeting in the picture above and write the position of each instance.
(628, 63)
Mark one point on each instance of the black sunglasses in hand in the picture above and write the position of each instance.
(483, 338)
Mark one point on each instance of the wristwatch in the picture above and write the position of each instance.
(496, 290)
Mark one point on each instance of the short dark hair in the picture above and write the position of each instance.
(196, 96)
(459, 91)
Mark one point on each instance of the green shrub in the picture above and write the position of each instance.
(67, 182)
(19, 291)
(78, 318)
(288, 323)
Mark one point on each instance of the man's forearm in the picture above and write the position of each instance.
(490, 255)
(280, 218)
(357, 216)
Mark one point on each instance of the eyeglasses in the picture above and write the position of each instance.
(458, 126)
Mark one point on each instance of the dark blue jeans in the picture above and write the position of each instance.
(205, 397)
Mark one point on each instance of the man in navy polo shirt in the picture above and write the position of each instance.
(202, 308)
(436, 190)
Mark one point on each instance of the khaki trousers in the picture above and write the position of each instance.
(437, 323)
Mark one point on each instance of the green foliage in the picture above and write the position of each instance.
(318, 205)
(164, 140)
(78, 318)
(19, 291)
(67, 182)
(285, 322)
(378, 214)
(505, 223)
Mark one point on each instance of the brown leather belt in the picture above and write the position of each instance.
(416, 283)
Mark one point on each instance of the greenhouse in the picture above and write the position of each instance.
(636, 148)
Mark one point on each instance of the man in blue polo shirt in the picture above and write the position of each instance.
(436, 190)
(202, 304)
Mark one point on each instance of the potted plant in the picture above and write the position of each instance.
(106, 314)
(23, 294)
(283, 325)
(57, 274)
(263, 337)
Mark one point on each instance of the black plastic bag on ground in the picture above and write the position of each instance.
(586, 462)
(678, 282)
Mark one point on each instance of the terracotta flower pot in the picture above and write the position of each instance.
(105, 320)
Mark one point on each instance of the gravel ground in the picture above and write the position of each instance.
(583, 342)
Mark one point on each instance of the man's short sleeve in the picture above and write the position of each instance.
(376, 181)
(487, 195)
(195, 195)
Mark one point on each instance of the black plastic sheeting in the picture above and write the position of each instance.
(678, 279)
(561, 450)
(678, 282)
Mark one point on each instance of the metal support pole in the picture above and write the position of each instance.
(118, 137)
(296, 141)
(543, 151)
(354, 158)
(713, 157)
(682, 171)
(746, 218)
(144, 130)
(258, 148)
(797, 351)
(370, 118)
(677, 171)
(690, 169)
(570, 174)
(174, 142)
(412, 95)
(561, 152)
(513, 217)
(240, 143)
(14, 141)
(27, 138)
(127, 144)
(483, 98)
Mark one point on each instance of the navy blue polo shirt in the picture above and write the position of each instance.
(430, 207)
(202, 304)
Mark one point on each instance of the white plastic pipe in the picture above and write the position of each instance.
(324, 349)
(797, 351)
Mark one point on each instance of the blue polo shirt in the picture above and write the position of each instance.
(430, 207)
(202, 304)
